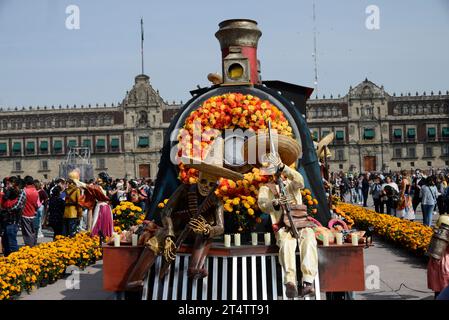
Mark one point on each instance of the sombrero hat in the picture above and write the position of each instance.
(211, 169)
(288, 148)
(213, 163)
(324, 143)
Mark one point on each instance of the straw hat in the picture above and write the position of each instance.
(288, 148)
(324, 143)
(213, 163)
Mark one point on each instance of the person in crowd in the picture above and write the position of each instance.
(376, 193)
(428, 195)
(390, 191)
(56, 208)
(359, 189)
(353, 190)
(72, 210)
(365, 189)
(441, 185)
(11, 206)
(417, 183)
(62, 185)
(29, 212)
(405, 208)
(42, 206)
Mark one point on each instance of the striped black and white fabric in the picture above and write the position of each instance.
(257, 277)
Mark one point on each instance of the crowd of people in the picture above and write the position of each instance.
(65, 206)
(398, 194)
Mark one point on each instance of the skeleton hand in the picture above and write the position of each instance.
(199, 225)
(169, 250)
(275, 160)
(282, 200)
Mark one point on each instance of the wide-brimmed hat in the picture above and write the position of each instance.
(288, 148)
(213, 163)
(211, 169)
(324, 143)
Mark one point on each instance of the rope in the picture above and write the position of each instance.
(403, 284)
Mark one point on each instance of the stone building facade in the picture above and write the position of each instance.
(124, 140)
(376, 131)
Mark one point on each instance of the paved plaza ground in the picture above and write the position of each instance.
(402, 277)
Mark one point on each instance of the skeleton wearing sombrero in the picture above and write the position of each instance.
(271, 200)
(195, 206)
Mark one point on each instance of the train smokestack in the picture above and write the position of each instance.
(238, 41)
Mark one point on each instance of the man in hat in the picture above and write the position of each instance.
(192, 209)
(271, 201)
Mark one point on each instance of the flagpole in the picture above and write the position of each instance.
(141, 41)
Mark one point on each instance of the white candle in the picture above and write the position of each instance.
(325, 240)
(134, 238)
(339, 237)
(254, 238)
(355, 239)
(267, 238)
(227, 240)
(237, 239)
(116, 240)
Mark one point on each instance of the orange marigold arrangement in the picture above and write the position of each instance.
(411, 235)
(29, 268)
(230, 111)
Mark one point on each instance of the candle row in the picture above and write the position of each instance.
(134, 239)
(339, 239)
(254, 239)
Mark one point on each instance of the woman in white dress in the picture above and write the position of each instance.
(405, 207)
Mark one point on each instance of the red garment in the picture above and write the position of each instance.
(104, 224)
(30, 207)
(438, 273)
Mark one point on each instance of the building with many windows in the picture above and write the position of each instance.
(124, 139)
(376, 131)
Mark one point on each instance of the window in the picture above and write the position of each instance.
(16, 148)
(398, 152)
(43, 147)
(412, 164)
(72, 144)
(101, 163)
(368, 134)
(17, 166)
(101, 145)
(429, 163)
(3, 149)
(411, 133)
(57, 146)
(44, 165)
(315, 135)
(445, 151)
(431, 133)
(428, 152)
(93, 122)
(397, 133)
(340, 155)
(340, 166)
(30, 149)
(325, 133)
(411, 152)
(143, 142)
(446, 162)
(339, 135)
(87, 143)
(398, 164)
(445, 132)
(115, 144)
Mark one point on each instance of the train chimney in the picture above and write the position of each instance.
(238, 41)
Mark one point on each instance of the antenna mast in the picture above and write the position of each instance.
(141, 41)
(314, 51)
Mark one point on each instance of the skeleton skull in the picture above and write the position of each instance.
(206, 183)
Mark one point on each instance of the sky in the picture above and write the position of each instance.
(42, 62)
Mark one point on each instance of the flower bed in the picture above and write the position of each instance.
(126, 215)
(410, 235)
(29, 268)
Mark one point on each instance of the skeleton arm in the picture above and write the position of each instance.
(294, 176)
(218, 229)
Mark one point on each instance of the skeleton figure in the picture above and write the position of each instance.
(194, 206)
